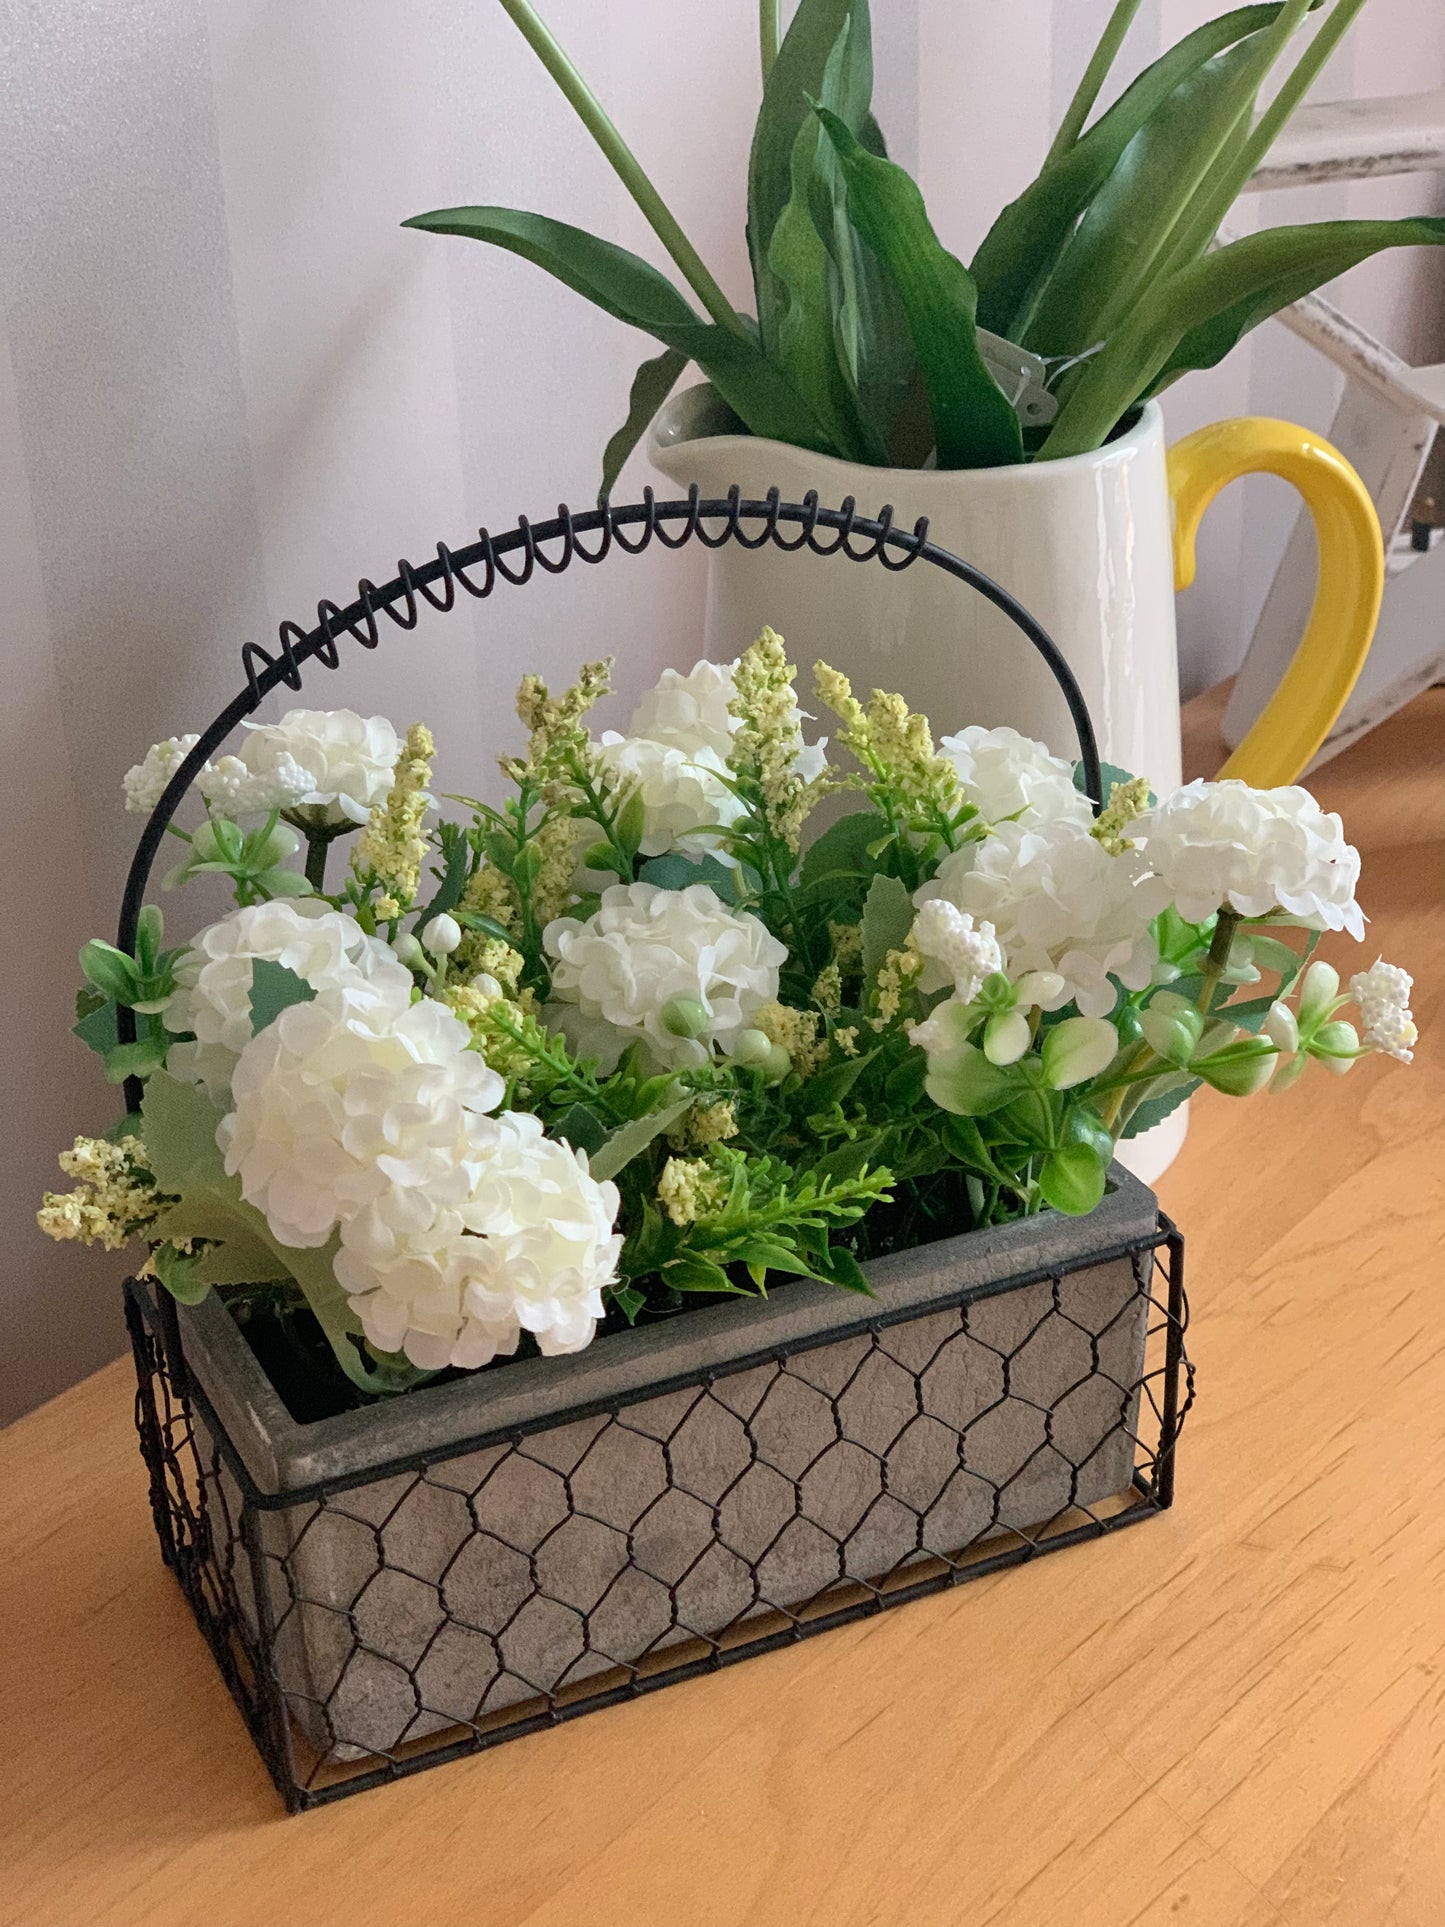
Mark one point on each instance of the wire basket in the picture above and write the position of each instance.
(559, 1535)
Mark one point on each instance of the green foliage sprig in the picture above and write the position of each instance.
(863, 343)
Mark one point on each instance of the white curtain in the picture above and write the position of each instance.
(230, 384)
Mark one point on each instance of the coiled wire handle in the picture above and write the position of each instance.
(479, 567)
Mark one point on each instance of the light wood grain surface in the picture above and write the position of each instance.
(1233, 1716)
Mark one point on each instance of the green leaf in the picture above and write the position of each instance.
(180, 1135)
(243, 1251)
(180, 1274)
(974, 423)
(1210, 304)
(797, 76)
(454, 879)
(838, 1266)
(110, 970)
(127, 1126)
(97, 1029)
(1281, 265)
(1168, 1094)
(139, 1059)
(150, 929)
(675, 872)
(1072, 1178)
(629, 1139)
(842, 848)
(651, 386)
(966, 1144)
(806, 347)
(971, 1086)
(887, 920)
(1024, 242)
(832, 1085)
(274, 988)
(1136, 208)
(582, 1128)
(850, 1160)
(629, 1301)
(692, 1272)
(628, 288)
(907, 1083)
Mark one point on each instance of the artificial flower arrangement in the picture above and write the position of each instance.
(633, 1040)
(870, 341)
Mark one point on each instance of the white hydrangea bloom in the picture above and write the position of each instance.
(683, 793)
(614, 974)
(1007, 776)
(350, 1108)
(956, 950)
(351, 758)
(1383, 995)
(324, 948)
(532, 1248)
(235, 789)
(689, 711)
(144, 782)
(1059, 903)
(1256, 850)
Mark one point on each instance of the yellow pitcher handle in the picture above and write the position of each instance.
(1316, 686)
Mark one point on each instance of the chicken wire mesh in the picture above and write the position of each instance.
(371, 1626)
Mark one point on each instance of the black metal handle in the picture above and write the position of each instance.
(861, 538)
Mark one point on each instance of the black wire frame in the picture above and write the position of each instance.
(216, 1545)
(629, 530)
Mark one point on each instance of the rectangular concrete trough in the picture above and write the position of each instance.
(570, 1520)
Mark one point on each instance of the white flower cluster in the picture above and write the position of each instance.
(648, 954)
(675, 753)
(213, 1002)
(236, 790)
(143, 783)
(366, 1113)
(1008, 777)
(955, 949)
(1059, 903)
(328, 760)
(1259, 851)
(1383, 995)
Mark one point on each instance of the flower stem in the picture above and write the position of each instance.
(628, 168)
(770, 34)
(1217, 962)
(1095, 74)
(318, 842)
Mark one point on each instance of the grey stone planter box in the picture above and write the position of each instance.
(496, 1550)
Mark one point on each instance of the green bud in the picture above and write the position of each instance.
(1319, 990)
(996, 993)
(751, 1048)
(1078, 1049)
(1282, 1028)
(409, 951)
(778, 1064)
(685, 1017)
(1006, 1037)
(1172, 1034)
(1240, 1069)
(1336, 1045)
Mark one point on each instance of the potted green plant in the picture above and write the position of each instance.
(1012, 401)
(654, 1220)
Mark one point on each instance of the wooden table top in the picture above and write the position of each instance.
(1234, 1716)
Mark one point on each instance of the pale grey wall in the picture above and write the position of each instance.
(229, 385)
